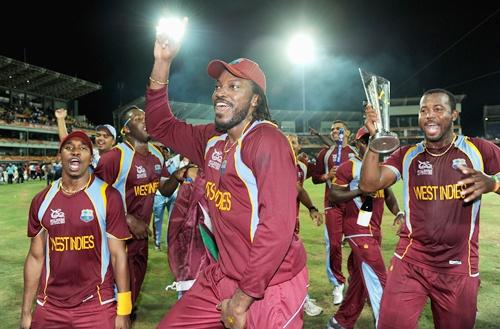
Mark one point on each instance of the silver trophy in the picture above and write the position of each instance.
(378, 93)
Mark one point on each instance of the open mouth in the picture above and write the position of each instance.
(221, 107)
(432, 128)
(74, 164)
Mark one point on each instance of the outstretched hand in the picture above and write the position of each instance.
(61, 113)
(476, 183)
(167, 47)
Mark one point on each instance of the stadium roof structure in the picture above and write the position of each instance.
(205, 112)
(36, 80)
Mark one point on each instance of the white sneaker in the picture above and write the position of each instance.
(338, 297)
(312, 309)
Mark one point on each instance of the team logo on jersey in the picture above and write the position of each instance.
(216, 160)
(141, 172)
(158, 169)
(424, 168)
(87, 215)
(57, 217)
(455, 163)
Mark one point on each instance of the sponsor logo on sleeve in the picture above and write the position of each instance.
(57, 217)
(424, 168)
(87, 215)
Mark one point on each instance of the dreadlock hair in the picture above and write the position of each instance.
(452, 100)
(262, 110)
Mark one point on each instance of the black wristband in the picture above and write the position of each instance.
(313, 208)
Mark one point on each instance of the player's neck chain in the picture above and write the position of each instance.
(227, 149)
(66, 191)
(445, 151)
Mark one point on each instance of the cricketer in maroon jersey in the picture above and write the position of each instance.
(323, 173)
(443, 179)
(135, 167)
(260, 279)
(77, 252)
(302, 195)
(367, 275)
(310, 308)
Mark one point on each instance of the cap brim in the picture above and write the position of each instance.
(216, 67)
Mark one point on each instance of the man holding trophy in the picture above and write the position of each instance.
(443, 179)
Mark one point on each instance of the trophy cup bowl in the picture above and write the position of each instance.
(384, 142)
(377, 90)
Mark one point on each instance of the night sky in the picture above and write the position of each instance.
(417, 45)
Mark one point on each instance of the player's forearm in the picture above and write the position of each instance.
(304, 197)
(370, 173)
(61, 128)
(120, 265)
(340, 196)
(159, 74)
(32, 271)
(391, 201)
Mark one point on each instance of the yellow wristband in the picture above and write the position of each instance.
(124, 303)
(159, 82)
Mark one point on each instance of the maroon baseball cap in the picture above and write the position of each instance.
(362, 132)
(81, 135)
(241, 67)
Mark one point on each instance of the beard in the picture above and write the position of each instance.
(237, 118)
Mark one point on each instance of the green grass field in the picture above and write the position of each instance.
(155, 301)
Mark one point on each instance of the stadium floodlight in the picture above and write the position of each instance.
(301, 49)
(171, 28)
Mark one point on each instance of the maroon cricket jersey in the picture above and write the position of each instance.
(301, 176)
(441, 232)
(142, 180)
(348, 174)
(250, 188)
(77, 267)
(325, 160)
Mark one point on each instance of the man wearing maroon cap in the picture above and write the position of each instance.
(365, 263)
(260, 280)
(77, 256)
(105, 135)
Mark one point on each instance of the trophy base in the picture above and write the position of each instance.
(384, 142)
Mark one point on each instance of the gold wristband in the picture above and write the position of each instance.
(124, 303)
(159, 82)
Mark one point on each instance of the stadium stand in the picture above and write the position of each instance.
(28, 96)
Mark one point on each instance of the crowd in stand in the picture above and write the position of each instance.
(35, 115)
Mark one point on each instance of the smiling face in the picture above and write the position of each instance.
(335, 129)
(233, 100)
(75, 158)
(436, 116)
(104, 140)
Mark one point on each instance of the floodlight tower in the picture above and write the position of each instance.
(301, 51)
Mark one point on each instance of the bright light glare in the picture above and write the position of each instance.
(301, 49)
(172, 28)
